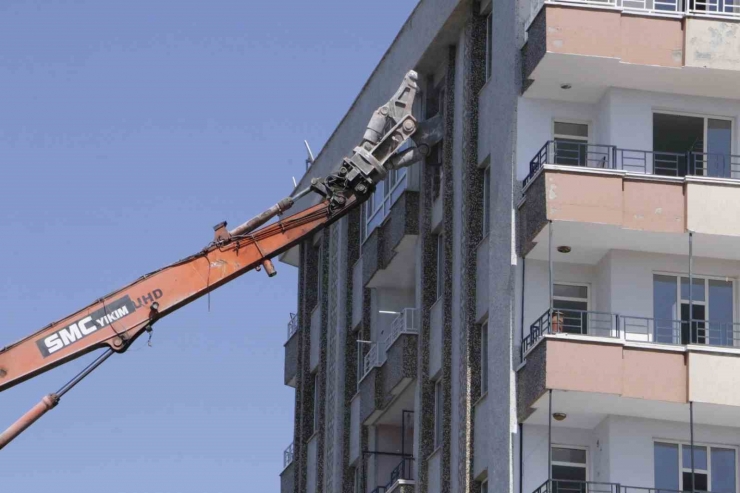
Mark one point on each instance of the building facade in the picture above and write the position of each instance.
(547, 303)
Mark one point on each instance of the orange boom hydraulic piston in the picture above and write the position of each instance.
(116, 320)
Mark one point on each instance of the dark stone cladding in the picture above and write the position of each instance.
(287, 479)
(428, 298)
(448, 220)
(472, 177)
(291, 357)
(379, 248)
(350, 349)
(530, 381)
(531, 216)
(322, 370)
(376, 389)
(535, 48)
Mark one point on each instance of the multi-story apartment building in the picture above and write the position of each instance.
(549, 303)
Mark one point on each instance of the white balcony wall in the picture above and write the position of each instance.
(388, 300)
(621, 117)
(621, 282)
(535, 126)
(537, 286)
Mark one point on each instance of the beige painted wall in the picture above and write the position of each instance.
(613, 369)
(713, 379)
(633, 39)
(713, 209)
(712, 44)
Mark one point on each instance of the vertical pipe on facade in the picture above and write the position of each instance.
(691, 288)
(549, 259)
(549, 439)
(521, 322)
(691, 426)
(521, 458)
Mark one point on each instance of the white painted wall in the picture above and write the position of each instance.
(623, 117)
(622, 281)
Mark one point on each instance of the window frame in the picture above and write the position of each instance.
(706, 117)
(440, 260)
(487, 199)
(483, 358)
(438, 412)
(568, 298)
(586, 466)
(570, 121)
(316, 398)
(489, 45)
(708, 470)
(679, 296)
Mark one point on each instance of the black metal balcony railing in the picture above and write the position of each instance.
(707, 332)
(563, 486)
(404, 470)
(599, 156)
(633, 329)
(556, 321)
(292, 325)
(288, 456)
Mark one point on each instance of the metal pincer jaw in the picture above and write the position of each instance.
(389, 127)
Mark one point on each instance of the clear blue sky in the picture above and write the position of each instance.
(127, 130)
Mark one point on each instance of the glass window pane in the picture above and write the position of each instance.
(720, 300)
(700, 457)
(573, 455)
(570, 473)
(719, 148)
(723, 470)
(666, 466)
(571, 129)
(565, 291)
(698, 291)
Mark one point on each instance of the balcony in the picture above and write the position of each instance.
(719, 8)
(394, 360)
(401, 478)
(566, 323)
(406, 322)
(292, 325)
(652, 45)
(571, 486)
(608, 157)
(287, 476)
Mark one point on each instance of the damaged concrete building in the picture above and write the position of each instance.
(547, 303)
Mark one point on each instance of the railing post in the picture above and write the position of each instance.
(616, 321)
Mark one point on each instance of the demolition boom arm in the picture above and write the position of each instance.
(116, 320)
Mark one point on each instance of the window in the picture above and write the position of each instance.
(489, 45)
(436, 105)
(568, 469)
(571, 144)
(357, 481)
(484, 358)
(570, 307)
(484, 486)
(694, 145)
(316, 397)
(710, 320)
(440, 255)
(714, 468)
(487, 200)
(437, 413)
(320, 270)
